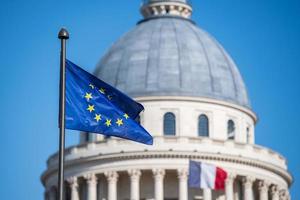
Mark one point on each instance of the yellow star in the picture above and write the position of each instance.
(102, 90)
(109, 97)
(119, 122)
(97, 117)
(88, 96)
(92, 86)
(91, 108)
(126, 116)
(108, 122)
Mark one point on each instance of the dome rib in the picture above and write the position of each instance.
(179, 54)
(229, 68)
(148, 58)
(152, 59)
(205, 54)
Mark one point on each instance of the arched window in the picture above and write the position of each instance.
(203, 126)
(230, 129)
(169, 124)
(248, 135)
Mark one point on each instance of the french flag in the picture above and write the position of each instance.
(203, 175)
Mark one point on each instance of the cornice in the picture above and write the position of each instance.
(170, 155)
(159, 139)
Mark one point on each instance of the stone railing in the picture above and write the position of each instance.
(159, 8)
(174, 144)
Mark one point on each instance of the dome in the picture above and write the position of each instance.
(171, 56)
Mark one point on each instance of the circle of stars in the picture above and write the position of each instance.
(98, 117)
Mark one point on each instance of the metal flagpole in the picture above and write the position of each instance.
(63, 35)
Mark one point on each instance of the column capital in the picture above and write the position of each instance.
(52, 192)
(274, 190)
(263, 186)
(112, 179)
(73, 181)
(229, 185)
(134, 173)
(247, 181)
(230, 178)
(284, 194)
(112, 176)
(158, 173)
(90, 178)
(182, 174)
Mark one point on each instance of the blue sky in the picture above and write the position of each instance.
(261, 36)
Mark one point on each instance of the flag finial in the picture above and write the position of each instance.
(63, 34)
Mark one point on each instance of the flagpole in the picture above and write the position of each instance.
(63, 35)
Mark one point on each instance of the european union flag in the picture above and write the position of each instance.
(94, 106)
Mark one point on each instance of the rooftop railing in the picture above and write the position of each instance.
(227, 147)
(145, 2)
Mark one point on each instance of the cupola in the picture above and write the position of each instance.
(153, 8)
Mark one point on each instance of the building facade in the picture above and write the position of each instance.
(196, 108)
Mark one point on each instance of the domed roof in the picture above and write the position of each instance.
(171, 56)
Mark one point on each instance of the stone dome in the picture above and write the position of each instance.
(171, 56)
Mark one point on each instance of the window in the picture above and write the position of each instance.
(169, 124)
(248, 135)
(203, 126)
(230, 129)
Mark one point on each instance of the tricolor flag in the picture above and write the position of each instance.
(203, 175)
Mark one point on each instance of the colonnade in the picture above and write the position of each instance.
(266, 190)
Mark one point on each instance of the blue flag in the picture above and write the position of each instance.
(94, 106)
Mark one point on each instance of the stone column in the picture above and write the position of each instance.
(206, 194)
(247, 186)
(52, 194)
(112, 179)
(74, 188)
(183, 186)
(91, 180)
(46, 195)
(284, 194)
(274, 192)
(135, 175)
(263, 188)
(158, 175)
(229, 186)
